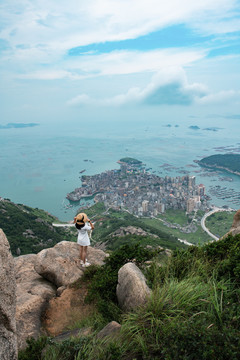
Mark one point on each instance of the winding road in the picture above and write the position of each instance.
(215, 209)
(62, 225)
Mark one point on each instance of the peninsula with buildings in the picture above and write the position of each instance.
(141, 193)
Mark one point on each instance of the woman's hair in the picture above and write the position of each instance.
(79, 226)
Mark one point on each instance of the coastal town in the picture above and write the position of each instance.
(136, 190)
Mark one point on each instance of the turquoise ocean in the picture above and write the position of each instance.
(41, 164)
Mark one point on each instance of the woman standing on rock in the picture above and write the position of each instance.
(83, 225)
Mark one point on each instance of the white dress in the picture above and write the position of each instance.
(83, 238)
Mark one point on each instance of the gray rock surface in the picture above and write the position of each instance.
(235, 229)
(8, 337)
(132, 230)
(59, 264)
(33, 293)
(112, 329)
(132, 289)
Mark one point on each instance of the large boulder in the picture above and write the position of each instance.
(33, 294)
(132, 290)
(8, 337)
(60, 264)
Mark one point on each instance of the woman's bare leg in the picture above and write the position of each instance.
(84, 253)
(81, 252)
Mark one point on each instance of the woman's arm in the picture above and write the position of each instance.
(91, 224)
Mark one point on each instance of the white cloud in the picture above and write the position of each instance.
(117, 63)
(48, 29)
(126, 62)
(50, 75)
(169, 86)
(221, 98)
(37, 36)
(82, 99)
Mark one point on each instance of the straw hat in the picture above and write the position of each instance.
(81, 218)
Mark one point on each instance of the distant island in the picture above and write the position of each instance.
(17, 125)
(212, 128)
(194, 127)
(228, 162)
(130, 161)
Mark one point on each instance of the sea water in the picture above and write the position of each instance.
(41, 164)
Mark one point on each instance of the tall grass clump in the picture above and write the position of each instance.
(69, 349)
(183, 319)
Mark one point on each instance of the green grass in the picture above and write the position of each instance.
(95, 210)
(175, 216)
(198, 237)
(108, 223)
(220, 223)
(117, 242)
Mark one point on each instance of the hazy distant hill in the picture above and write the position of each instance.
(17, 125)
(229, 162)
(29, 229)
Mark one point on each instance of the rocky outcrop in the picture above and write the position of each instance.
(8, 338)
(235, 229)
(38, 277)
(33, 293)
(112, 330)
(132, 230)
(76, 333)
(132, 289)
(59, 264)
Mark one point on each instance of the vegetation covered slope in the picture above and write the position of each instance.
(29, 229)
(229, 162)
(219, 223)
(193, 312)
(107, 222)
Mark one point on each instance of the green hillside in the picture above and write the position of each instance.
(30, 229)
(220, 223)
(230, 162)
(107, 222)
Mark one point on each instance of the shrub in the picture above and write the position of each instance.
(34, 348)
(68, 349)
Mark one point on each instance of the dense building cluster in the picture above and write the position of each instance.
(140, 192)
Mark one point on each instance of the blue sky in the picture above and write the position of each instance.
(67, 60)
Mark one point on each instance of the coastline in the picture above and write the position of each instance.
(214, 166)
(80, 197)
